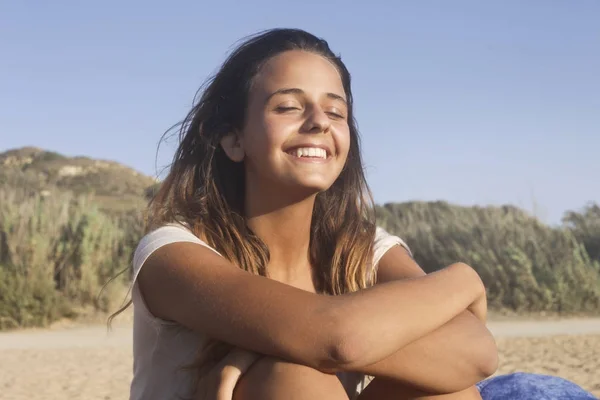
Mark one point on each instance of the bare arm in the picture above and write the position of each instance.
(451, 358)
(190, 284)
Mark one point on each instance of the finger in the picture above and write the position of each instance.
(239, 360)
(232, 367)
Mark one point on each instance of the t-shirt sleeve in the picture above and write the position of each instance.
(148, 245)
(159, 238)
(383, 242)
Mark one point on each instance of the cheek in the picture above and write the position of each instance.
(270, 137)
(262, 139)
(275, 133)
(255, 135)
(344, 141)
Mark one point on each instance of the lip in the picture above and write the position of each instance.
(314, 145)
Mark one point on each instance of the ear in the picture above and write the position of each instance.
(233, 146)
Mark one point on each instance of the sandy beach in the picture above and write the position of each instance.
(86, 362)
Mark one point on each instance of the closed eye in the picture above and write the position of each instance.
(335, 115)
(284, 109)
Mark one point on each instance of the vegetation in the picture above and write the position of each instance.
(586, 228)
(525, 265)
(60, 245)
(56, 253)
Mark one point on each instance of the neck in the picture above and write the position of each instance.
(284, 226)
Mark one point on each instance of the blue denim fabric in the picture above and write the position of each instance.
(525, 386)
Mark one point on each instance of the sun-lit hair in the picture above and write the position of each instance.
(205, 189)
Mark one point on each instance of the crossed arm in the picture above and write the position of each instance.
(410, 328)
(453, 357)
(450, 359)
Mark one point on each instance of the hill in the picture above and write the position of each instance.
(115, 187)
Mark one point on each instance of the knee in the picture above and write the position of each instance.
(271, 378)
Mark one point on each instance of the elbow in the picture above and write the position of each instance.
(345, 348)
(345, 352)
(354, 344)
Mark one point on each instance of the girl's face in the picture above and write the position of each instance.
(296, 134)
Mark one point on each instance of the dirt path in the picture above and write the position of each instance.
(579, 326)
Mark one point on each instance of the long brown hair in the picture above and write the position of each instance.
(205, 189)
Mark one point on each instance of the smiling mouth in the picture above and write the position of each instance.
(314, 153)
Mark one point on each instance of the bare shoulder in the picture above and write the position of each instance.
(169, 270)
(397, 263)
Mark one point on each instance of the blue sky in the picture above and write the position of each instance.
(467, 101)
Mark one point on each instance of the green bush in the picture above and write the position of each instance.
(586, 228)
(56, 253)
(525, 265)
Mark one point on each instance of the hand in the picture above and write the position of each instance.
(222, 378)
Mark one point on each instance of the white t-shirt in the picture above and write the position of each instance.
(161, 349)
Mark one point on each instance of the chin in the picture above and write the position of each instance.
(306, 189)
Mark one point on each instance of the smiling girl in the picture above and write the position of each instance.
(263, 274)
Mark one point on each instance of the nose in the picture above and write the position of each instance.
(317, 121)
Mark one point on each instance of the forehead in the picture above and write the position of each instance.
(299, 69)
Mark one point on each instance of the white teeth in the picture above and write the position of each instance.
(309, 152)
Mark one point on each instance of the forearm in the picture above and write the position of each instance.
(452, 358)
(403, 312)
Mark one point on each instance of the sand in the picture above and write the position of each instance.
(83, 362)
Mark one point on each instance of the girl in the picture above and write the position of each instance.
(263, 275)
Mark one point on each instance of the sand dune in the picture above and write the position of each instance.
(87, 363)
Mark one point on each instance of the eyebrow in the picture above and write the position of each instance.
(332, 96)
